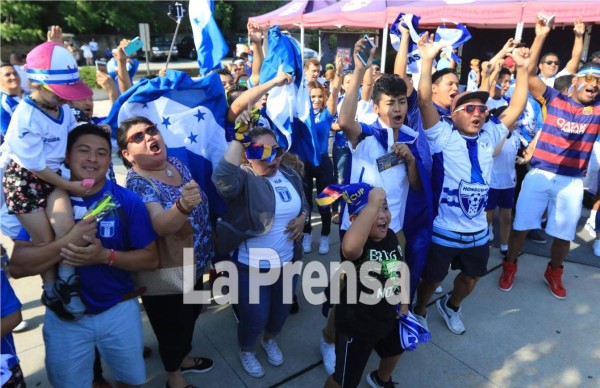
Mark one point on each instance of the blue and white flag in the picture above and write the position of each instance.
(190, 115)
(453, 38)
(289, 106)
(210, 44)
(413, 60)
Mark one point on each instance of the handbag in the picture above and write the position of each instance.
(167, 279)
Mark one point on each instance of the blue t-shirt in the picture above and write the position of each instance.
(132, 68)
(7, 107)
(124, 229)
(10, 304)
(323, 123)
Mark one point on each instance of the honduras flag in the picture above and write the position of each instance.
(190, 115)
(453, 37)
(210, 44)
(289, 107)
(413, 60)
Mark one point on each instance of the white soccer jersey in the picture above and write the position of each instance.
(460, 190)
(394, 180)
(35, 140)
(504, 175)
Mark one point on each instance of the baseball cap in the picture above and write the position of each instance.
(508, 62)
(460, 99)
(53, 65)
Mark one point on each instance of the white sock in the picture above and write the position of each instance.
(592, 217)
(503, 247)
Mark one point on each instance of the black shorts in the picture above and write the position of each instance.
(352, 353)
(472, 261)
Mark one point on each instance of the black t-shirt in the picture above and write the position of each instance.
(362, 319)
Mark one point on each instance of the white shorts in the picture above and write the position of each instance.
(561, 194)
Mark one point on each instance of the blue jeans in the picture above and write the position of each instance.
(269, 315)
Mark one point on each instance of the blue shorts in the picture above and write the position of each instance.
(117, 333)
(502, 198)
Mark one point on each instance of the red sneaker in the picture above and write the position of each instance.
(553, 278)
(509, 270)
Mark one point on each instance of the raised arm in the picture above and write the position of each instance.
(507, 48)
(367, 85)
(517, 104)
(122, 73)
(336, 85)
(358, 232)
(486, 71)
(400, 64)
(255, 35)
(537, 87)
(346, 120)
(578, 30)
(428, 50)
(252, 95)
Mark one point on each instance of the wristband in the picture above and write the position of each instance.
(181, 208)
(112, 257)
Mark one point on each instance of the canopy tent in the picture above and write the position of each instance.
(291, 13)
(351, 13)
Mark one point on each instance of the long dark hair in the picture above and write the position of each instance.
(122, 134)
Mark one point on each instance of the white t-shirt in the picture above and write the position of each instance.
(504, 175)
(35, 140)
(492, 103)
(472, 82)
(93, 45)
(461, 202)
(550, 80)
(287, 207)
(394, 180)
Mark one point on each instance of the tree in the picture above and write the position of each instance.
(18, 21)
(97, 17)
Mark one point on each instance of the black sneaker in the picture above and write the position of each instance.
(201, 365)
(68, 293)
(504, 253)
(536, 236)
(57, 307)
(374, 381)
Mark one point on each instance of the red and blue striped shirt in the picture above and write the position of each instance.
(568, 135)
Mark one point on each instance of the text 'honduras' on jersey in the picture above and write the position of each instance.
(461, 174)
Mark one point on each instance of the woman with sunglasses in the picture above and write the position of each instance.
(172, 198)
(325, 109)
(266, 209)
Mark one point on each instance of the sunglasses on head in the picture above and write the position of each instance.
(590, 78)
(552, 63)
(470, 109)
(138, 137)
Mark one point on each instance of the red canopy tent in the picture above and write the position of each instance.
(291, 13)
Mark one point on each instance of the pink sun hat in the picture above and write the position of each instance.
(53, 65)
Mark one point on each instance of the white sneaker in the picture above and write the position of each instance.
(491, 232)
(324, 245)
(307, 243)
(328, 354)
(597, 248)
(422, 320)
(251, 364)
(453, 319)
(439, 290)
(590, 227)
(274, 354)
(21, 326)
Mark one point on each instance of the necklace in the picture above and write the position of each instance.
(169, 172)
(51, 108)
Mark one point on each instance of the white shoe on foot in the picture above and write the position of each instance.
(328, 354)
(590, 227)
(597, 248)
(251, 364)
(324, 245)
(439, 290)
(274, 354)
(307, 243)
(453, 318)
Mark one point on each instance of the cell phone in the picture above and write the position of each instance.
(101, 67)
(364, 53)
(133, 46)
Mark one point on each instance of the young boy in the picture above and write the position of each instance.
(372, 321)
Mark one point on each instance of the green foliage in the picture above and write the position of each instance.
(224, 16)
(94, 17)
(88, 75)
(17, 21)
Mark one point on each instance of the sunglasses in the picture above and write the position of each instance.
(590, 78)
(470, 109)
(552, 63)
(138, 137)
(277, 152)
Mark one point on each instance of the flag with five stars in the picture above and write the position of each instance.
(210, 44)
(190, 115)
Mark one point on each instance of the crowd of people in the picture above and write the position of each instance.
(411, 173)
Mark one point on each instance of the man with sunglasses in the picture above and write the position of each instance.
(462, 167)
(549, 64)
(559, 156)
